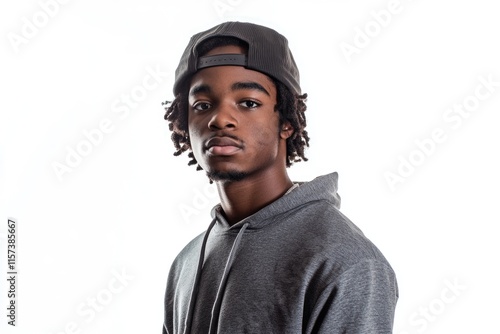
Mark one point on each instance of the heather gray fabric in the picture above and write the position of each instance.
(301, 266)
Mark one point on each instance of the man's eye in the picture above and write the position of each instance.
(249, 104)
(201, 106)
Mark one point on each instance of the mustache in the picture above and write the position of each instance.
(223, 139)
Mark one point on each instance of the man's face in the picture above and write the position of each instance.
(233, 127)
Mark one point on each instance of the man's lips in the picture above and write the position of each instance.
(222, 146)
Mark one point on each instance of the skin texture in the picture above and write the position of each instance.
(232, 108)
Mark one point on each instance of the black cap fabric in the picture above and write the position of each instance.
(268, 53)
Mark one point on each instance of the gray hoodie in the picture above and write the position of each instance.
(296, 266)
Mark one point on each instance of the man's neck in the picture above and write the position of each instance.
(240, 199)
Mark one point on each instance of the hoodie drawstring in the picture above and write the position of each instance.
(220, 293)
(194, 292)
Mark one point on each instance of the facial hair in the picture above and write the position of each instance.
(229, 176)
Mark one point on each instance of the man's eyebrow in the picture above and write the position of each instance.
(200, 89)
(249, 85)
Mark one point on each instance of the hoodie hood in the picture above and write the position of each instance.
(322, 188)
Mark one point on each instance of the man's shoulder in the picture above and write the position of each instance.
(190, 250)
(323, 224)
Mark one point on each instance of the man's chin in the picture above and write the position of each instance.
(227, 176)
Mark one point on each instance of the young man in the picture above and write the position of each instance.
(278, 257)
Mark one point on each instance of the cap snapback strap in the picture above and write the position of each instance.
(222, 59)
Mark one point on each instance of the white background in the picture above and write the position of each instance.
(120, 208)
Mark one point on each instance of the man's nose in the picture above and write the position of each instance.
(223, 117)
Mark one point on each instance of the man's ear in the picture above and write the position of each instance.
(286, 131)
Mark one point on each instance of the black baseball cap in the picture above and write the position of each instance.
(268, 53)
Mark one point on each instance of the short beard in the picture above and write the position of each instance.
(230, 176)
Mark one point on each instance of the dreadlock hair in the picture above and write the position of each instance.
(291, 108)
